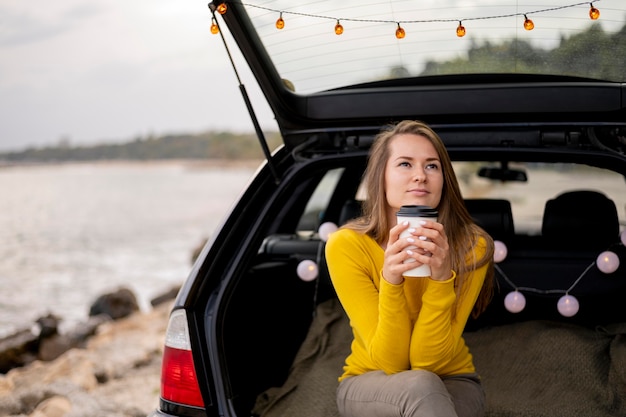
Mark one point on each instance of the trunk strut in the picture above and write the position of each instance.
(246, 99)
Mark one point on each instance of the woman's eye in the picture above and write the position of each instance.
(404, 164)
(432, 166)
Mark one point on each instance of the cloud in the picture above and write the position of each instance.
(23, 26)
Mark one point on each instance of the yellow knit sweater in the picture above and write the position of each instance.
(413, 325)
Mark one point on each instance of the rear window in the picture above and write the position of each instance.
(326, 44)
(545, 181)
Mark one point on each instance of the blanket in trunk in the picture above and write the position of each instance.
(529, 369)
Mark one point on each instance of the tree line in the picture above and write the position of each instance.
(592, 53)
(208, 145)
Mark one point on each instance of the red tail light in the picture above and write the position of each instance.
(179, 383)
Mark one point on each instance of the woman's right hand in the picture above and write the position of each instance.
(396, 254)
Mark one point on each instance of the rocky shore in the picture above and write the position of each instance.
(113, 372)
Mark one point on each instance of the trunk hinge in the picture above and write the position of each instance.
(246, 99)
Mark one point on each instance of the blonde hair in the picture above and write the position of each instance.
(462, 232)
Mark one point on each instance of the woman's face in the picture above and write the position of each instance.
(413, 174)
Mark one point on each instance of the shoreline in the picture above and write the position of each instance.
(191, 163)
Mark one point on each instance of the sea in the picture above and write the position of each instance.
(71, 232)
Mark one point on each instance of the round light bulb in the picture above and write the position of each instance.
(326, 229)
(307, 270)
(280, 23)
(221, 9)
(594, 13)
(460, 30)
(338, 28)
(515, 301)
(607, 262)
(400, 33)
(499, 251)
(622, 237)
(214, 28)
(528, 24)
(568, 305)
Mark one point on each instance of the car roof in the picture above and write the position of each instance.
(569, 70)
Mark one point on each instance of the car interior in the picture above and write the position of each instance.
(272, 312)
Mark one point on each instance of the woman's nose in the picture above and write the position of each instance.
(419, 176)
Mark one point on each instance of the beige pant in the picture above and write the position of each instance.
(411, 394)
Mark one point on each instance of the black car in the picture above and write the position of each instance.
(535, 122)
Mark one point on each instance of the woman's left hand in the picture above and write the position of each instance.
(433, 249)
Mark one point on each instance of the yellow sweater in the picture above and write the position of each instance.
(405, 326)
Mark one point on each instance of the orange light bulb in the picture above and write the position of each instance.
(214, 28)
(528, 24)
(460, 30)
(400, 33)
(338, 28)
(594, 13)
(221, 9)
(280, 23)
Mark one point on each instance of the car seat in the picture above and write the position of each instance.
(583, 219)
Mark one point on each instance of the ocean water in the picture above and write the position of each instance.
(71, 232)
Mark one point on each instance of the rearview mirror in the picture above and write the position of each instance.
(503, 174)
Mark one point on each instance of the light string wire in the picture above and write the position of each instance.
(545, 292)
(349, 19)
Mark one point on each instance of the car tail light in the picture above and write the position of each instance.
(179, 383)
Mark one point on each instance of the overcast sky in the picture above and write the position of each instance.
(111, 70)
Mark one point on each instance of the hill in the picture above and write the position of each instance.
(208, 145)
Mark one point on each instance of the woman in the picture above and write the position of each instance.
(408, 356)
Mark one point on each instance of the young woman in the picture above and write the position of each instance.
(408, 355)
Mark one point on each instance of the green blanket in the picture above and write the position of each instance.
(529, 369)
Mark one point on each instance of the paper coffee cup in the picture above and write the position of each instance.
(413, 215)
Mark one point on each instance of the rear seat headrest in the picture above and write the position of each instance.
(493, 215)
(583, 218)
(351, 210)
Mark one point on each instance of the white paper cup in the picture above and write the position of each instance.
(413, 215)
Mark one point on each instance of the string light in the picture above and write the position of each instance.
(594, 13)
(568, 306)
(280, 23)
(528, 24)
(400, 33)
(338, 28)
(460, 30)
(214, 28)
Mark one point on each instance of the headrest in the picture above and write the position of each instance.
(493, 215)
(351, 210)
(584, 218)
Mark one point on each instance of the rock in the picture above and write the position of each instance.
(48, 325)
(115, 373)
(116, 305)
(18, 349)
(57, 406)
(166, 296)
(54, 346)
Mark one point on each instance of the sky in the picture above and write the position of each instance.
(109, 71)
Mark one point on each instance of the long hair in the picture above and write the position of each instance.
(462, 232)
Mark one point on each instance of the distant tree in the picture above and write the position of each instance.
(592, 53)
(209, 145)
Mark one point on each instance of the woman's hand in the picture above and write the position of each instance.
(430, 247)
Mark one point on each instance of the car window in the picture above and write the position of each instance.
(455, 37)
(318, 202)
(545, 181)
